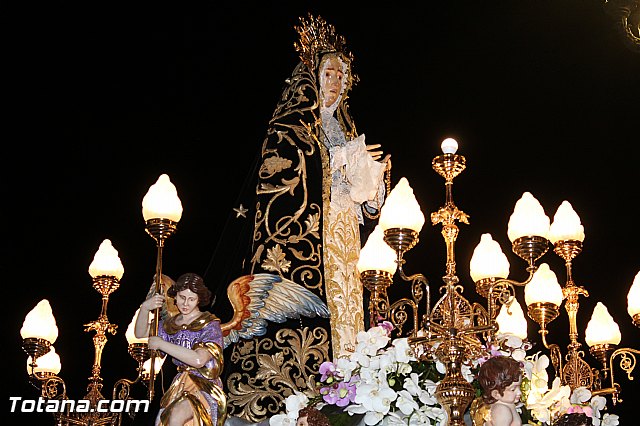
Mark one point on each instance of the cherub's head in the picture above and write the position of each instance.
(311, 416)
(500, 379)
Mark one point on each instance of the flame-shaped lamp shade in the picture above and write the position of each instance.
(40, 323)
(401, 209)
(633, 298)
(47, 363)
(602, 329)
(106, 262)
(377, 255)
(130, 333)
(449, 146)
(511, 320)
(566, 225)
(161, 201)
(543, 287)
(528, 219)
(488, 260)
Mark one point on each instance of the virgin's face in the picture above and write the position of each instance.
(186, 301)
(331, 80)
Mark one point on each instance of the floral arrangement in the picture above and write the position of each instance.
(383, 382)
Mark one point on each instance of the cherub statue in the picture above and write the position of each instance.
(500, 378)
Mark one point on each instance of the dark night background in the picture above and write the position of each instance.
(102, 98)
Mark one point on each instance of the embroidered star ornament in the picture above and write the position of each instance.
(240, 211)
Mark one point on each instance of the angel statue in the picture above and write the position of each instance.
(195, 338)
(311, 198)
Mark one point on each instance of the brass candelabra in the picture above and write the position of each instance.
(456, 331)
(52, 387)
(161, 209)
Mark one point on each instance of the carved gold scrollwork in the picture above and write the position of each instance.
(286, 363)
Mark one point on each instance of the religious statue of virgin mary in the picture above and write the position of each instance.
(315, 189)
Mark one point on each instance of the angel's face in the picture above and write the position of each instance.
(186, 301)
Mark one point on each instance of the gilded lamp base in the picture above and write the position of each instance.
(455, 394)
(35, 347)
(543, 313)
(530, 248)
(401, 239)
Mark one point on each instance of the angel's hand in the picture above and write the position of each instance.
(153, 302)
(387, 160)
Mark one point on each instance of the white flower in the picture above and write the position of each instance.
(610, 420)
(282, 420)
(435, 413)
(467, 373)
(513, 341)
(597, 403)
(405, 402)
(383, 399)
(412, 384)
(370, 341)
(375, 398)
(394, 419)
(536, 372)
(387, 362)
(404, 369)
(544, 405)
(372, 418)
(403, 352)
(296, 402)
(518, 354)
(345, 367)
(580, 395)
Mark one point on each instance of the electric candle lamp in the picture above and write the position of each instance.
(161, 201)
(40, 323)
(449, 146)
(528, 219)
(401, 209)
(488, 260)
(48, 363)
(602, 329)
(633, 298)
(566, 225)
(106, 262)
(511, 320)
(377, 255)
(543, 287)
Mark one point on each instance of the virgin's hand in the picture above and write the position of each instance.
(155, 342)
(153, 302)
(374, 154)
(387, 160)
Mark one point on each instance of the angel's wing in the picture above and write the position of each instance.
(259, 298)
(169, 308)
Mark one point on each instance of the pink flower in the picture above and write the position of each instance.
(340, 394)
(581, 409)
(387, 326)
(328, 371)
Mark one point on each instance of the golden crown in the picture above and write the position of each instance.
(317, 36)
